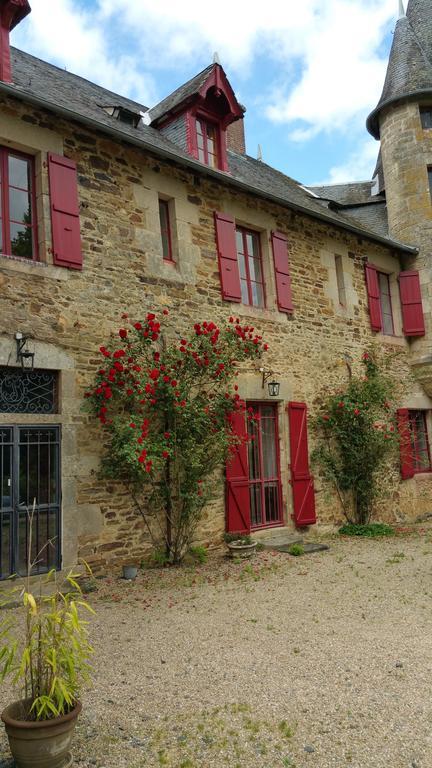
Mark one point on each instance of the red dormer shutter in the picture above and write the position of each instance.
(405, 445)
(372, 287)
(282, 273)
(65, 222)
(227, 254)
(411, 304)
(237, 480)
(301, 480)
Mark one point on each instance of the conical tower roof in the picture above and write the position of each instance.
(409, 72)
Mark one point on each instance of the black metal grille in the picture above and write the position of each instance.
(29, 487)
(27, 391)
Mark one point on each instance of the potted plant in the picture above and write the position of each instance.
(240, 545)
(45, 652)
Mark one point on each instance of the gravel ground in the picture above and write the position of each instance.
(311, 662)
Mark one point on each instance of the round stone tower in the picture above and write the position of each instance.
(402, 121)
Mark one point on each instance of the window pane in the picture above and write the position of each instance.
(165, 229)
(257, 295)
(419, 431)
(21, 240)
(255, 504)
(268, 447)
(255, 270)
(253, 451)
(19, 172)
(426, 118)
(244, 292)
(239, 241)
(271, 498)
(242, 266)
(19, 206)
(385, 300)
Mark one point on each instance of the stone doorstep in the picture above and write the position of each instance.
(282, 543)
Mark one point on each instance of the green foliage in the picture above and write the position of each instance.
(296, 550)
(356, 437)
(49, 661)
(164, 403)
(238, 538)
(199, 554)
(371, 530)
(159, 558)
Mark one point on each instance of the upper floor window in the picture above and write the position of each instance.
(166, 234)
(386, 304)
(419, 441)
(17, 211)
(208, 142)
(426, 117)
(250, 267)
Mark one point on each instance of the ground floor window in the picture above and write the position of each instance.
(264, 466)
(419, 441)
(29, 473)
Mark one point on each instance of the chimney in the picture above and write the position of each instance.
(236, 137)
(11, 13)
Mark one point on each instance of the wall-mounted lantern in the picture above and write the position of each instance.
(24, 356)
(273, 386)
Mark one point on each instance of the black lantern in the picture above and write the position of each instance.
(24, 356)
(273, 388)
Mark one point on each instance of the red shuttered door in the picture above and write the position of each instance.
(406, 448)
(301, 480)
(237, 481)
(227, 254)
(411, 304)
(372, 287)
(282, 273)
(64, 212)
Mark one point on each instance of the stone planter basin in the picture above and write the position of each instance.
(241, 549)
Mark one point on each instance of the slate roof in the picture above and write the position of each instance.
(409, 72)
(177, 97)
(61, 92)
(350, 192)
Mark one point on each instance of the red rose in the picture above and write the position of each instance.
(129, 392)
(150, 316)
(138, 326)
(326, 418)
(154, 374)
(141, 459)
(107, 393)
(122, 333)
(356, 411)
(166, 312)
(165, 454)
(125, 316)
(119, 353)
(156, 357)
(132, 425)
(341, 404)
(182, 349)
(173, 383)
(183, 403)
(167, 435)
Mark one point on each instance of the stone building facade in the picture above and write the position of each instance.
(126, 162)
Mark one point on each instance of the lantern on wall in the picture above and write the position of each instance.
(273, 386)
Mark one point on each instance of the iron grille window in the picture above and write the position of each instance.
(27, 391)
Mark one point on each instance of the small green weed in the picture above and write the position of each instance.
(199, 554)
(397, 557)
(285, 730)
(370, 531)
(296, 550)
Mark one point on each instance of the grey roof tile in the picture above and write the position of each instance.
(180, 95)
(350, 192)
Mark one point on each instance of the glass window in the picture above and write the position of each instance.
(419, 441)
(340, 281)
(250, 267)
(426, 117)
(165, 225)
(207, 142)
(17, 219)
(386, 305)
(264, 468)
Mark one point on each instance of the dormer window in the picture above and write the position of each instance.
(208, 141)
(124, 115)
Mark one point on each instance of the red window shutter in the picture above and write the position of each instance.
(406, 449)
(65, 222)
(237, 480)
(372, 287)
(301, 480)
(227, 254)
(411, 304)
(282, 273)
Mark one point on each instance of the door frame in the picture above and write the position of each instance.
(281, 521)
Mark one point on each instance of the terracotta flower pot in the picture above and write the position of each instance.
(42, 743)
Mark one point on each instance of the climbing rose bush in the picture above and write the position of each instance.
(357, 435)
(164, 401)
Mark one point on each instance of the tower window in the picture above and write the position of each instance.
(426, 117)
(386, 304)
(166, 233)
(340, 281)
(208, 142)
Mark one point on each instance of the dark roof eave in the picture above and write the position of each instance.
(195, 165)
(372, 122)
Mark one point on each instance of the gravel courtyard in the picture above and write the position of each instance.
(318, 661)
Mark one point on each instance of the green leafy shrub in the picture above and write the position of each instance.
(371, 530)
(357, 435)
(164, 403)
(296, 550)
(238, 538)
(199, 553)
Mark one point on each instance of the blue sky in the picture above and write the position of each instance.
(308, 71)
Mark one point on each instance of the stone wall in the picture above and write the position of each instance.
(70, 314)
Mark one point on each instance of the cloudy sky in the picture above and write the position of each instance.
(308, 71)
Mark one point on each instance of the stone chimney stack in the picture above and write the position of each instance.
(11, 13)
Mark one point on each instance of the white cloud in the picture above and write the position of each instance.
(358, 166)
(73, 38)
(325, 51)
